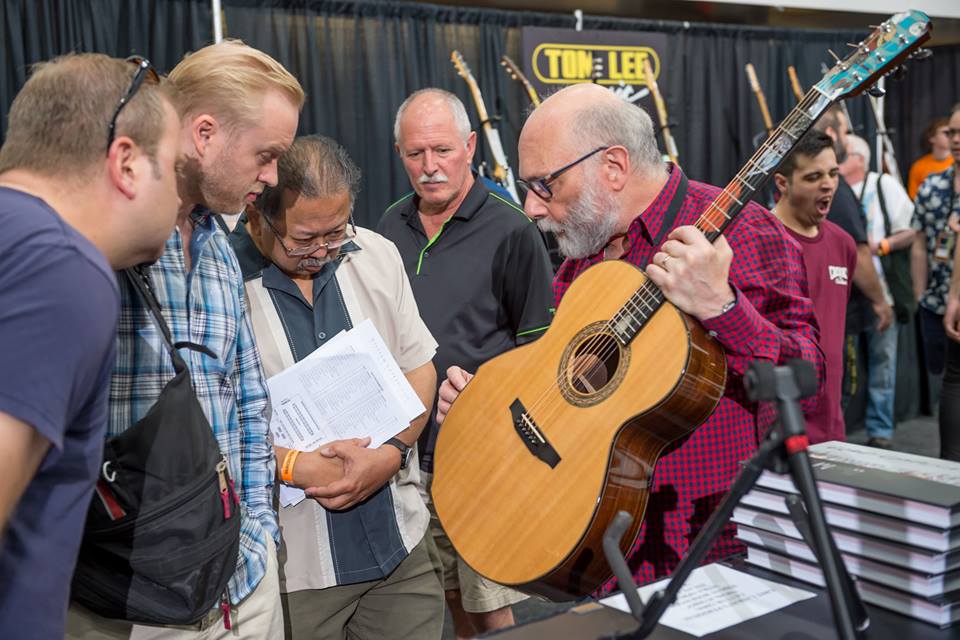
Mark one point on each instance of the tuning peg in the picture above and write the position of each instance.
(876, 92)
(921, 53)
(897, 74)
(836, 58)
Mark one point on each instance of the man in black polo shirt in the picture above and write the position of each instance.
(482, 279)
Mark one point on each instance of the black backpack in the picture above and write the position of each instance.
(163, 531)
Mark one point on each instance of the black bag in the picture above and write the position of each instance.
(896, 270)
(163, 531)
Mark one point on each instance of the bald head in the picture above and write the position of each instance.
(585, 116)
(432, 105)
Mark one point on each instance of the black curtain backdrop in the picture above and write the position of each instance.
(358, 60)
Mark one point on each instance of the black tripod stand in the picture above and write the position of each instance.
(785, 449)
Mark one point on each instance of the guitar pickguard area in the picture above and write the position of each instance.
(592, 366)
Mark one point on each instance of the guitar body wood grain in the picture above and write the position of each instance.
(607, 411)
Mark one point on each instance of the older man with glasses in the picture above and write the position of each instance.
(356, 562)
(747, 289)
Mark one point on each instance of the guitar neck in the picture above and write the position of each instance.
(661, 105)
(795, 83)
(761, 99)
(631, 318)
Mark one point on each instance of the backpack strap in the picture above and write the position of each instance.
(883, 207)
(140, 280)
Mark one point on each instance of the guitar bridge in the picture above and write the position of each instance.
(532, 436)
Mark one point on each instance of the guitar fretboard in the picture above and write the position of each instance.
(645, 301)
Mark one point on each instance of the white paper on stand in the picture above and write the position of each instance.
(715, 597)
(349, 388)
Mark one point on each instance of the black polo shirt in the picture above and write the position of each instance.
(482, 284)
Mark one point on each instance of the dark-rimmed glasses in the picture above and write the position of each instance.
(349, 234)
(541, 186)
(144, 70)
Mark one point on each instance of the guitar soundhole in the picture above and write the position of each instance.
(594, 364)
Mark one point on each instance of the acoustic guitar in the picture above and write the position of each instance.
(549, 441)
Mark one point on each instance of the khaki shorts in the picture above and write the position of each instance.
(477, 594)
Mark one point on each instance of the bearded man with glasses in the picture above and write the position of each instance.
(87, 186)
(621, 202)
(356, 562)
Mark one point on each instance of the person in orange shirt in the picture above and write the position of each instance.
(936, 138)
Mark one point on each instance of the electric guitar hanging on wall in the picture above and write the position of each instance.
(795, 82)
(549, 441)
(501, 173)
(761, 99)
(668, 144)
(514, 72)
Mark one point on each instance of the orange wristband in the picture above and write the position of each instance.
(286, 469)
(884, 247)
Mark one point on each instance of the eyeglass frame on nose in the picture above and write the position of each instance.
(952, 132)
(541, 186)
(309, 250)
(144, 70)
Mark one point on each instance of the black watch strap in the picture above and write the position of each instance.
(403, 448)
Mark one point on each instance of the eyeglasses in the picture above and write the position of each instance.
(342, 238)
(953, 132)
(541, 186)
(144, 70)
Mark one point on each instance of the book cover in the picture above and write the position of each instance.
(880, 526)
(921, 584)
(941, 612)
(902, 485)
(901, 555)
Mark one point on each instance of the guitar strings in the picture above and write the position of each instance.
(648, 293)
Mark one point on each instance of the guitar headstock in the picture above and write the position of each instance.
(752, 77)
(879, 53)
(461, 65)
(512, 69)
(516, 74)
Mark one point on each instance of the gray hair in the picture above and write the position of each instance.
(457, 110)
(620, 123)
(313, 167)
(859, 146)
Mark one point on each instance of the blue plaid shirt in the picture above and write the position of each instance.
(205, 306)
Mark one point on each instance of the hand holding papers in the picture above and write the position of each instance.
(351, 387)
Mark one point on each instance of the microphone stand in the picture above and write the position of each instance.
(785, 449)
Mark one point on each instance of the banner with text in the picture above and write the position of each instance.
(554, 58)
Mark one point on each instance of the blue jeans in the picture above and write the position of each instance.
(881, 381)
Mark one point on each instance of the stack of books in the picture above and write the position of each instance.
(895, 518)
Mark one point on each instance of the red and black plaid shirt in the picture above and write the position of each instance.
(773, 319)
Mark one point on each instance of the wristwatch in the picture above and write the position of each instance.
(402, 448)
